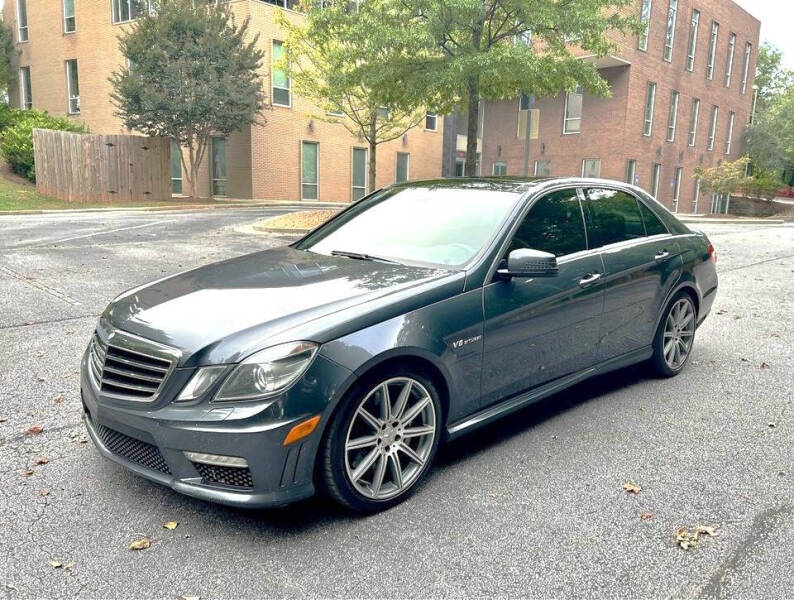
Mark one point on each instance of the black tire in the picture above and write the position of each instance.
(332, 459)
(660, 365)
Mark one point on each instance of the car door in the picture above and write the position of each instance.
(641, 264)
(538, 329)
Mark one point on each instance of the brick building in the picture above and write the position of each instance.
(681, 97)
(69, 48)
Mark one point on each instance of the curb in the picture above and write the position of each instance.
(736, 221)
(265, 204)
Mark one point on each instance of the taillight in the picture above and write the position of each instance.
(712, 254)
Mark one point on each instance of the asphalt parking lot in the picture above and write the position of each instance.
(534, 506)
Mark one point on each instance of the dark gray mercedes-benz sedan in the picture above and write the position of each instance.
(415, 315)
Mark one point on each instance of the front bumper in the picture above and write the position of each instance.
(151, 441)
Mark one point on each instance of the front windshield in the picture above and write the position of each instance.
(437, 225)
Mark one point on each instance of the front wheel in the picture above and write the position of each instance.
(675, 336)
(382, 441)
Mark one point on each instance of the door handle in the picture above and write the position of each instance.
(589, 279)
(660, 256)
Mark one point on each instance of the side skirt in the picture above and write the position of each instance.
(514, 403)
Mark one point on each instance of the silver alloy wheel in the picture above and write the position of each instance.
(679, 333)
(385, 454)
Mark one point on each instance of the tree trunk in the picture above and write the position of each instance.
(473, 116)
(373, 150)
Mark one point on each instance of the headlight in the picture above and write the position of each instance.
(200, 383)
(268, 372)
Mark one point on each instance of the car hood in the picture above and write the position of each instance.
(224, 311)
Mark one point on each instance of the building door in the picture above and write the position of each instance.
(310, 171)
(176, 168)
(359, 175)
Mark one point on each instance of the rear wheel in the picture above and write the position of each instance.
(675, 336)
(382, 441)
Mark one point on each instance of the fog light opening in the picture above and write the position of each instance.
(301, 430)
(218, 460)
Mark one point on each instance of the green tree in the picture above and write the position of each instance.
(770, 78)
(191, 73)
(479, 49)
(351, 64)
(8, 53)
(730, 177)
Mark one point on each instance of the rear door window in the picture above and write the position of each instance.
(653, 226)
(554, 224)
(612, 216)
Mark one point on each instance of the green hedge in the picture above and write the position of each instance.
(17, 132)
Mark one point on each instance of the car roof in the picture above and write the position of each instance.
(517, 185)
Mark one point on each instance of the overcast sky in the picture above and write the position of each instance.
(777, 21)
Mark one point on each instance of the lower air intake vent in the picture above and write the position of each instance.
(146, 455)
(232, 476)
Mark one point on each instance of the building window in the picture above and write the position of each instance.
(746, 72)
(218, 166)
(431, 122)
(729, 64)
(73, 86)
(500, 168)
(591, 167)
(645, 18)
(715, 111)
(572, 121)
(655, 176)
(631, 170)
(460, 167)
(672, 118)
(402, 167)
(22, 21)
(693, 40)
(650, 101)
(25, 93)
(69, 24)
(359, 173)
(670, 35)
(729, 139)
(677, 187)
(281, 85)
(696, 196)
(176, 168)
(715, 32)
(129, 10)
(542, 168)
(310, 171)
(523, 102)
(693, 121)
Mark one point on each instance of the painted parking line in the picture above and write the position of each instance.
(40, 244)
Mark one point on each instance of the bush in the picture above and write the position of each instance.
(9, 116)
(17, 144)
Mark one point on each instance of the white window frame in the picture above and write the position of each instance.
(693, 40)
(645, 19)
(715, 114)
(70, 96)
(650, 105)
(672, 117)
(669, 36)
(353, 186)
(273, 85)
(537, 163)
(584, 161)
(407, 166)
(631, 170)
(729, 65)
(25, 102)
(697, 196)
(66, 17)
(434, 116)
(22, 30)
(566, 118)
(729, 140)
(499, 163)
(317, 170)
(679, 171)
(115, 11)
(715, 34)
(748, 49)
(656, 175)
(693, 122)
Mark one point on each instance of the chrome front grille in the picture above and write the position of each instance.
(129, 367)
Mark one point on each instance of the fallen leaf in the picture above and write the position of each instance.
(721, 311)
(736, 317)
(41, 460)
(3, 419)
(44, 492)
(772, 425)
(69, 566)
(58, 399)
(41, 378)
(170, 525)
(34, 430)
(763, 366)
(140, 544)
(645, 515)
(711, 531)
(745, 359)
(632, 488)
(27, 473)
(189, 598)
(689, 539)
(55, 564)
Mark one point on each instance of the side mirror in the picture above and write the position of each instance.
(525, 262)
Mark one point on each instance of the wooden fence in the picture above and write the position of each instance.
(79, 167)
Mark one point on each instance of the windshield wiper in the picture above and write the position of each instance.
(360, 256)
